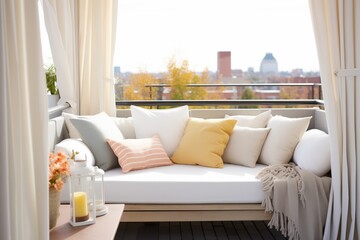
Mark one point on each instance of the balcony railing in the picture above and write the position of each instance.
(235, 103)
(312, 86)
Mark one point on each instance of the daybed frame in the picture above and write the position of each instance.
(197, 212)
(193, 212)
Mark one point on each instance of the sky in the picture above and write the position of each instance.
(150, 33)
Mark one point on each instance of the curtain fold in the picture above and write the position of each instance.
(61, 21)
(23, 125)
(97, 32)
(337, 32)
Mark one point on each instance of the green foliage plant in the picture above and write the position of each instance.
(51, 79)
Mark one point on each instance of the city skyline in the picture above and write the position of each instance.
(150, 34)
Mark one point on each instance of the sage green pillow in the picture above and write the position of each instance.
(94, 132)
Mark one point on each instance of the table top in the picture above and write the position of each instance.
(105, 226)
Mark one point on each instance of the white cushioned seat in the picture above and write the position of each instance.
(185, 184)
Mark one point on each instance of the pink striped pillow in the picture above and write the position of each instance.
(136, 154)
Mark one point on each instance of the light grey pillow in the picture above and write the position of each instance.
(73, 132)
(94, 132)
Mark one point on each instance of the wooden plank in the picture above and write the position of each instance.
(263, 230)
(208, 231)
(241, 230)
(197, 231)
(187, 216)
(131, 231)
(121, 231)
(251, 229)
(220, 231)
(186, 233)
(230, 230)
(175, 232)
(148, 231)
(164, 231)
(277, 234)
(176, 207)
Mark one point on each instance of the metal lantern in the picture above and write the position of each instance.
(101, 208)
(82, 193)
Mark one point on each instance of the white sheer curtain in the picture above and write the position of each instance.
(23, 125)
(97, 32)
(60, 21)
(337, 32)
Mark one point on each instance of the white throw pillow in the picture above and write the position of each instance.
(313, 152)
(169, 124)
(126, 126)
(258, 121)
(244, 146)
(94, 132)
(68, 145)
(282, 139)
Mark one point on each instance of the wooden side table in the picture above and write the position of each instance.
(104, 228)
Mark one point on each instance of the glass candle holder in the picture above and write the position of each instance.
(82, 194)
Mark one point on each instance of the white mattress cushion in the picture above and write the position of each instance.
(185, 184)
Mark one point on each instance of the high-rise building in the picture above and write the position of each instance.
(224, 64)
(269, 64)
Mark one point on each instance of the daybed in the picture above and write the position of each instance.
(187, 192)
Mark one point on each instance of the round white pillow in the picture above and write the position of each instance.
(313, 152)
(69, 144)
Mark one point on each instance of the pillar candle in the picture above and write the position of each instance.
(80, 204)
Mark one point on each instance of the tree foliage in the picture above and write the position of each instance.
(137, 89)
(248, 93)
(179, 76)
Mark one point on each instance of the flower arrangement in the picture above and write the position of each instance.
(59, 169)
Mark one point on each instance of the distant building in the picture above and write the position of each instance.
(269, 64)
(297, 72)
(224, 64)
(117, 71)
(237, 73)
(250, 70)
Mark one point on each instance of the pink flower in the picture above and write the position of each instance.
(59, 169)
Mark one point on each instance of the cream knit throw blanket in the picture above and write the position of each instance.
(298, 200)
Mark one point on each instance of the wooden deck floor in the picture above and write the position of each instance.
(255, 230)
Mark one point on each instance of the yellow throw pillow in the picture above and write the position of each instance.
(204, 142)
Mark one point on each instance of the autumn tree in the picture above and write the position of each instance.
(199, 93)
(179, 76)
(137, 89)
(217, 91)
